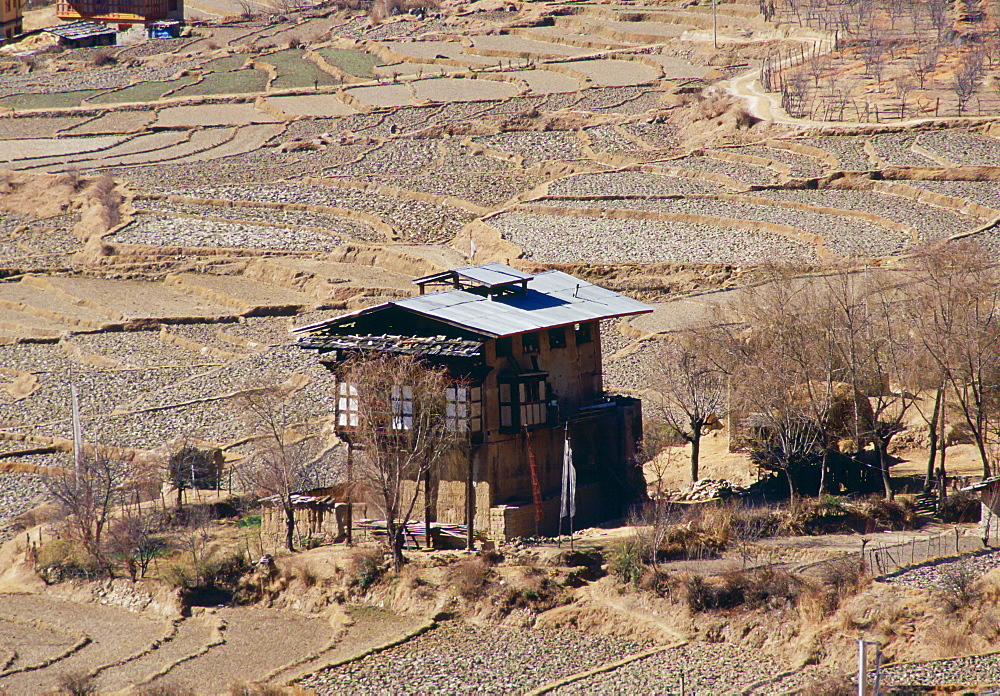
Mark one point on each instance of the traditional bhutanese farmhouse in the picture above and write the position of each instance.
(10, 19)
(124, 13)
(525, 352)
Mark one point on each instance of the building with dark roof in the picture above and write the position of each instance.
(526, 350)
(83, 34)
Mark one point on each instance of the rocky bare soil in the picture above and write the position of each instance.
(461, 658)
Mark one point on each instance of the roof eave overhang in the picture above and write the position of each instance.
(458, 324)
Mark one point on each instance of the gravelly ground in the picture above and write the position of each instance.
(629, 183)
(983, 192)
(270, 216)
(166, 230)
(459, 658)
(658, 135)
(930, 221)
(937, 575)
(745, 173)
(415, 220)
(98, 78)
(18, 493)
(962, 147)
(707, 669)
(560, 239)
(846, 149)
(535, 147)
(845, 236)
(894, 150)
(801, 166)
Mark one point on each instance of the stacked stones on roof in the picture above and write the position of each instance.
(405, 345)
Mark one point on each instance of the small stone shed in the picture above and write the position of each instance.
(320, 514)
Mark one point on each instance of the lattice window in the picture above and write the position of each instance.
(402, 407)
(465, 409)
(522, 403)
(347, 405)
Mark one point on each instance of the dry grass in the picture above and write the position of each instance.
(830, 686)
(952, 641)
(762, 587)
(470, 578)
(839, 580)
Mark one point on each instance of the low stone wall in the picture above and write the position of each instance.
(512, 521)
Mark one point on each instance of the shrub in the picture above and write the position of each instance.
(249, 522)
(245, 689)
(101, 59)
(890, 514)
(491, 557)
(224, 572)
(77, 684)
(958, 583)
(960, 506)
(366, 567)
(164, 690)
(749, 589)
(830, 686)
(838, 579)
(471, 577)
(58, 560)
(628, 560)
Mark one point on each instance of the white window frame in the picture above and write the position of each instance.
(347, 405)
(464, 411)
(520, 406)
(402, 407)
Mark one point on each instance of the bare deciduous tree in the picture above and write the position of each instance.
(400, 423)
(968, 78)
(937, 12)
(904, 85)
(955, 309)
(86, 495)
(284, 461)
(926, 63)
(690, 390)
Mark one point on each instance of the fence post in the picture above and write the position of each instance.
(862, 665)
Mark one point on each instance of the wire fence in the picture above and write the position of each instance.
(881, 559)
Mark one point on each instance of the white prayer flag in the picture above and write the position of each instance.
(77, 433)
(568, 500)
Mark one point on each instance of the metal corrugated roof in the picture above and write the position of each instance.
(552, 299)
(489, 274)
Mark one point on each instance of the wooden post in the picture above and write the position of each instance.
(470, 505)
(862, 664)
(427, 509)
(350, 494)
